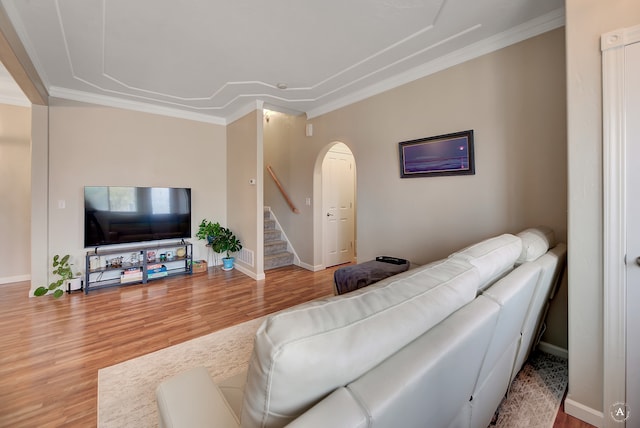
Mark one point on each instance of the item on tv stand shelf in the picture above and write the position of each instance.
(199, 266)
(130, 276)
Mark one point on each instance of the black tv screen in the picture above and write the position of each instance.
(118, 215)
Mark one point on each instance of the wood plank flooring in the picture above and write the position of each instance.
(51, 350)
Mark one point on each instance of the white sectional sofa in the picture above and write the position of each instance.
(435, 346)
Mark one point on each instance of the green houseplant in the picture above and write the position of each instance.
(207, 230)
(226, 242)
(221, 239)
(62, 268)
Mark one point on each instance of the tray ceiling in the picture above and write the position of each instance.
(212, 60)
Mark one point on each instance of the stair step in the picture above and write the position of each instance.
(275, 247)
(278, 260)
(272, 235)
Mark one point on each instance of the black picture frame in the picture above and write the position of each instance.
(449, 154)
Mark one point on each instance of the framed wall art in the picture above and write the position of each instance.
(450, 154)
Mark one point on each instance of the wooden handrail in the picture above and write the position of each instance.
(284, 193)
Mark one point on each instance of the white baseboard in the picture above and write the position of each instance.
(584, 413)
(249, 273)
(17, 278)
(312, 268)
(553, 350)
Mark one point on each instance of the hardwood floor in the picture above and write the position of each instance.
(51, 350)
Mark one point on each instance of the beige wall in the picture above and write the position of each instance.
(278, 139)
(40, 261)
(514, 99)
(245, 200)
(94, 145)
(282, 133)
(15, 182)
(587, 20)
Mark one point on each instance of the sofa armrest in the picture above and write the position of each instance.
(338, 409)
(191, 399)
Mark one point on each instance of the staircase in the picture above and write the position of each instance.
(275, 248)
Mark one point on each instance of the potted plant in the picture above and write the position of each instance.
(226, 242)
(207, 230)
(62, 268)
(221, 240)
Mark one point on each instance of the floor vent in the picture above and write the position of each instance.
(246, 256)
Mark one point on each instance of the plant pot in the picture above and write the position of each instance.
(73, 284)
(227, 263)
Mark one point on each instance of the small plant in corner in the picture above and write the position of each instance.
(62, 268)
(226, 242)
(221, 240)
(208, 230)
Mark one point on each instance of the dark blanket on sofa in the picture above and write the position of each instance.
(351, 278)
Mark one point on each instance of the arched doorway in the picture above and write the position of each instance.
(338, 205)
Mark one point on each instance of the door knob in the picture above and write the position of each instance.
(329, 215)
(638, 261)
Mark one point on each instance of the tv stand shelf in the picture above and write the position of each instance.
(136, 264)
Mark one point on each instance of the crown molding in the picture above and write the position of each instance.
(107, 101)
(245, 110)
(542, 24)
(15, 101)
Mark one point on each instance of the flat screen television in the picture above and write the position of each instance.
(119, 215)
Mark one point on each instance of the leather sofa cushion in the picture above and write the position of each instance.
(493, 257)
(304, 353)
(192, 399)
(429, 381)
(340, 409)
(513, 293)
(535, 242)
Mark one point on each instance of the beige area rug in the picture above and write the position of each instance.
(535, 394)
(126, 391)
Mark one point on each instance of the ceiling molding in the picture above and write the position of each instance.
(540, 25)
(284, 110)
(14, 101)
(106, 101)
(245, 110)
(406, 52)
(10, 92)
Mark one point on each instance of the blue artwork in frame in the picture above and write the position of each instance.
(450, 154)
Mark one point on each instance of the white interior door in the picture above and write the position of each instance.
(338, 201)
(621, 188)
(632, 138)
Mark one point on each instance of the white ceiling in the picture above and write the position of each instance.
(215, 60)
